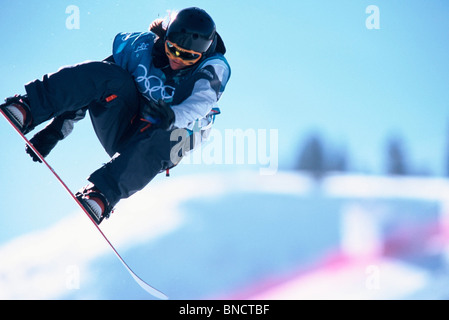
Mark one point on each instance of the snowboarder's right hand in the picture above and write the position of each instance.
(159, 111)
(44, 141)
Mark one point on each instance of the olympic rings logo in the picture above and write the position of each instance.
(154, 86)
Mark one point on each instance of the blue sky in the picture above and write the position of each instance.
(297, 66)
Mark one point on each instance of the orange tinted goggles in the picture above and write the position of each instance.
(174, 51)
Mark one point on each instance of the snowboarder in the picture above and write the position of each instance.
(155, 83)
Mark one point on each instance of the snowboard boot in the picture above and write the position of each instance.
(94, 202)
(17, 109)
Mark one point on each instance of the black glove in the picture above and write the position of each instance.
(159, 111)
(44, 141)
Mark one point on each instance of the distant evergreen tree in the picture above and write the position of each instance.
(316, 159)
(396, 163)
(312, 157)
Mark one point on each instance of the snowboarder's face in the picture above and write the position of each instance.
(176, 64)
(180, 58)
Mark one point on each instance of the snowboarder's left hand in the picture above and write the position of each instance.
(44, 141)
(160, 111)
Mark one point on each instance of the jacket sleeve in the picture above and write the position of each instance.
(63, 124)
(206, 92)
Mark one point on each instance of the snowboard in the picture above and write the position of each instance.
(152, 291)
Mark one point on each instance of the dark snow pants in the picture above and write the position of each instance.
(111, 96)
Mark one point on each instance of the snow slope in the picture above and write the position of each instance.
(247, 237)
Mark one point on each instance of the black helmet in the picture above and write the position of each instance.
(192, 29)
